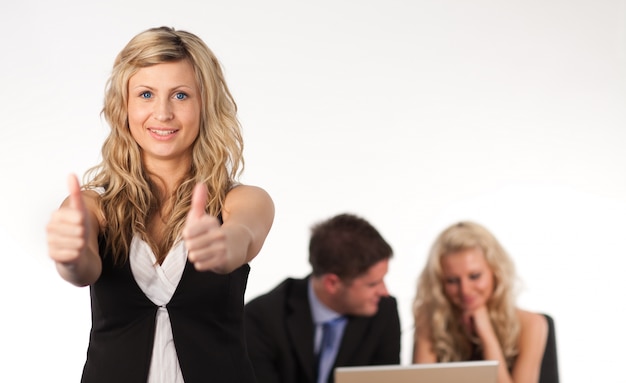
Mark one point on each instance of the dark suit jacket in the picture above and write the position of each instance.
(280, 331)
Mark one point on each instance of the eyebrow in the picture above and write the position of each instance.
(173, 88)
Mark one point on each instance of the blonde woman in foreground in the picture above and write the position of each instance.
(162, 232)
(465, 307)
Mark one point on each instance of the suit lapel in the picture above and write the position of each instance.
(300, 326)
(353, 336)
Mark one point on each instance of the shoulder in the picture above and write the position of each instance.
(251, 199)
(387, 311)
(248, 191)
(388, 304)
(93, 195)
(532, 320)
(534, 327)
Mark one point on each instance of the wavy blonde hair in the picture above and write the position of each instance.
(434, 313)
(131, 198)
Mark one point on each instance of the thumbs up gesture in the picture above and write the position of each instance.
(204, 238)
(68, 227)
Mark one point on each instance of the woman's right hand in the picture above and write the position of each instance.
(68, 227)
(72, 238)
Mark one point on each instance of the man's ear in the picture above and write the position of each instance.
(331, 282)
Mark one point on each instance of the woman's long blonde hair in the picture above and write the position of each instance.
(130, 197)
(437, 316)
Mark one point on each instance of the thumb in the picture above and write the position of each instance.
(198, 202)
(76, 198)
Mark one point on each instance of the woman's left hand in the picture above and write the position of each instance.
(204, 238)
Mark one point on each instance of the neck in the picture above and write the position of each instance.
(167, 175)
(165, 181)
(322, 294)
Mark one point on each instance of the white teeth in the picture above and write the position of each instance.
(163, 132)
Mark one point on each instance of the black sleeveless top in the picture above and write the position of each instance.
(206, 314)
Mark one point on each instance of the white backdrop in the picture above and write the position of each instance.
(413, 114)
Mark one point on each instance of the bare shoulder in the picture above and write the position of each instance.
(247, 191)
(247, 195)
(534, 326)
(91, 199)
(91, 195)
(253, 199)
(531, 319)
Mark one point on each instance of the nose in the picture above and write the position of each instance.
(163, 110)
(464, 287)
(383, 290)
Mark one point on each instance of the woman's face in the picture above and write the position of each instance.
(467, 278)
(164, 111)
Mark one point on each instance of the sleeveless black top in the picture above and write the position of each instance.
(206, 314)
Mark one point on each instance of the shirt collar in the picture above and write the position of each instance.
(321, 313)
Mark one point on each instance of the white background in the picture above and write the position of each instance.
(410, 113)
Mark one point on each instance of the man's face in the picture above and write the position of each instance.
(361, 295)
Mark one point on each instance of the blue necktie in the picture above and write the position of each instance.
(328, 347)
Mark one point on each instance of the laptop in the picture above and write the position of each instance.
(484, 371)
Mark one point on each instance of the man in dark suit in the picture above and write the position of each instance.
(349, 260)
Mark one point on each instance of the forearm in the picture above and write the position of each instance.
(493, 351)
(248, 217)
(423, 350)
(83, 271)
(238, 247)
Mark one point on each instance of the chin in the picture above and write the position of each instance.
(472, 307)
(370, 312)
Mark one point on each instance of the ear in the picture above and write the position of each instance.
(331, 282)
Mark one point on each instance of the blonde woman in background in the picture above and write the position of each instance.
(465, 307)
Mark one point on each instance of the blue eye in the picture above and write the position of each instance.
(180, 96)
(146, 94)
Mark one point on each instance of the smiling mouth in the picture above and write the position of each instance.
(162, 132)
